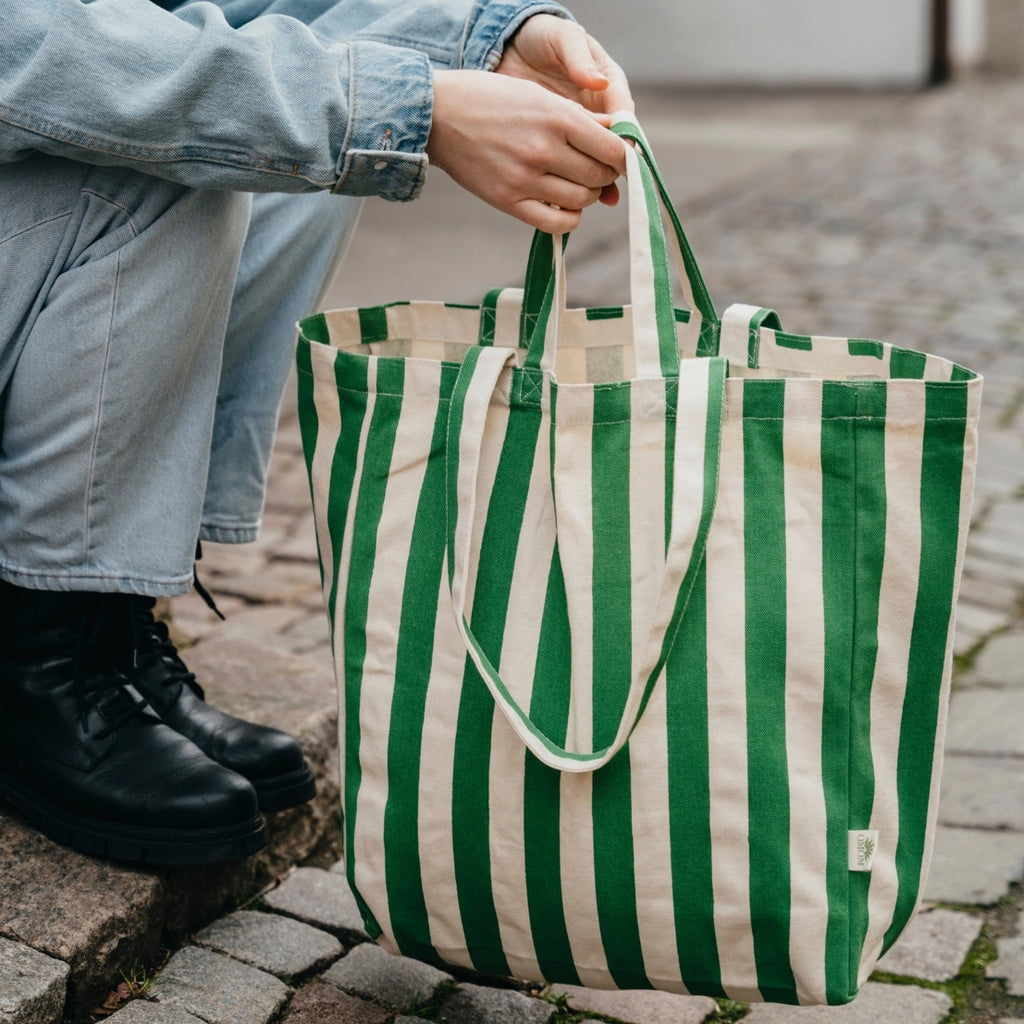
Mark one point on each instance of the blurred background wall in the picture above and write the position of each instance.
(796, 43)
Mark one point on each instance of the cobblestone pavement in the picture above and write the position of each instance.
(896, 217)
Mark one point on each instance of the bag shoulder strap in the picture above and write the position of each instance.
(699, 414)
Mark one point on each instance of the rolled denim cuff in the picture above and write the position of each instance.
(229, 535)
(391, 103)
(496, 24)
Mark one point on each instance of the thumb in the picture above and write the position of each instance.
(572, 47)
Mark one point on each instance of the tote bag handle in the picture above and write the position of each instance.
(654, 342)
(699, 411)
(648, 197)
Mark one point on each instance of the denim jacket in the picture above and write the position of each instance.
(213, 97)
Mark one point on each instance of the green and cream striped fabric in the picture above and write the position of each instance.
(643, 625)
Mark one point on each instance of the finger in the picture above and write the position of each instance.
(597, 142)
(546, 218)
(566, 195)
(569, 163)
(573, 48)
(616, 95)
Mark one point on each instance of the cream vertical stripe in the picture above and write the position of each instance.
(507, 845)
(904, 438)
(648, 748)
(652, 847)
(394, 537)
(579, 886)
(727, 715)
(328, 419)
(647, 526)
(805, 671)
(519, 650)
(328, 412)
(573, 497)
(434, 832)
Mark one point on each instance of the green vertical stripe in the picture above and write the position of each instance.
(351, 374)
(470, 811)
(373, 324)
(409, 920)
(489, 316)
(614, 865)
(905, 363)
(664, 310)
(612, 585)
(549, 708)
(671, 404)
(764, 503)
(689, 793)
(382, 428)
(615, 872)
(839, 504)
(941, 481)
(869, 556)
(309, 425)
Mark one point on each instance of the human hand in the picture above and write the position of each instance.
(522, 147)
(559, 55)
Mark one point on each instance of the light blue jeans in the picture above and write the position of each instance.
(151, 329)
(147, 298)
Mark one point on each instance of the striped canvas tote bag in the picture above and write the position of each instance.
(642, 621)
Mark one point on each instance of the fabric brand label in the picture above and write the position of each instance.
(862, 847)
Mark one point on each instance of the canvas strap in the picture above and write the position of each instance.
(700, 407)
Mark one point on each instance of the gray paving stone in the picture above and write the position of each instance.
(1002, 659)
(324, 1004)
(982, 792)
(894, 1004)
(279, 945)
(974, 623)
(218, 989)
(320, 898)
(141, 1011)
(372, 973)
(973, 866)
(985, 721)
(274, 581)
(933, 946)
(255, 623)
(639, 1007)
(1010, 964)
(33, 986)
(472, 1004)
(987, 595)
(96, 916)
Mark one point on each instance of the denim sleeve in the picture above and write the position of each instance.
(343, 103)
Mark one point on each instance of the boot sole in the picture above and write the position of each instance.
(132, 843)
(280, 792)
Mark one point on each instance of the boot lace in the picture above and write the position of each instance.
(152, 644)
(98, 684)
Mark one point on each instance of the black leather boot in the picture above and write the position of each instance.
(270, 759)
(85, 759)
